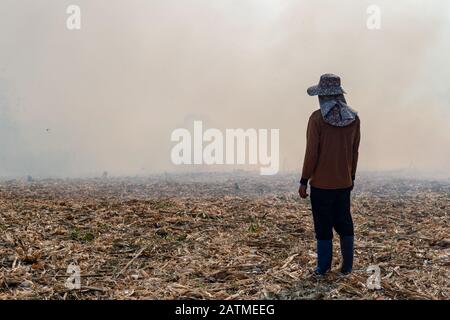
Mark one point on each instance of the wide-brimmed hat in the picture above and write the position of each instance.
(329, 84)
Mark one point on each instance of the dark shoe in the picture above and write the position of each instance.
(342, 274)
(347, 254)
(324, 256)
(316, 275)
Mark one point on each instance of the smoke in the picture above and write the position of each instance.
(108, 96)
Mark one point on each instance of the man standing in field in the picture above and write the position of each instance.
(331, 157)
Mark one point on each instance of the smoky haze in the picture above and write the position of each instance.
(108, 96)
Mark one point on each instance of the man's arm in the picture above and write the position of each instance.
(312, 151)
(356, 149)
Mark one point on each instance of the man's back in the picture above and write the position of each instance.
(331, 154)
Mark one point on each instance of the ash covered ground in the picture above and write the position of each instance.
(216, 236)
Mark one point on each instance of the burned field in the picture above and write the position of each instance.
(210, 236)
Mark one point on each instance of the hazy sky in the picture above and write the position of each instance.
(108, 96)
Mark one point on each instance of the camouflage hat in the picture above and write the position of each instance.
(329, 84)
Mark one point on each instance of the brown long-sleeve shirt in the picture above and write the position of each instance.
(331, 153)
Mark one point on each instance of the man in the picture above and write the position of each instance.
(331, 157)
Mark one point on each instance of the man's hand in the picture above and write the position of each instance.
(302, 191)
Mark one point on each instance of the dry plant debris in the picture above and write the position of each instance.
(215, 236)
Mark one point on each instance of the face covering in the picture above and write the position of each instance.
(335, 110)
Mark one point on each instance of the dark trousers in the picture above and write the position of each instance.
(331, 209)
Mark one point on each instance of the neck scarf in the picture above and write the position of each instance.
(335, 110)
